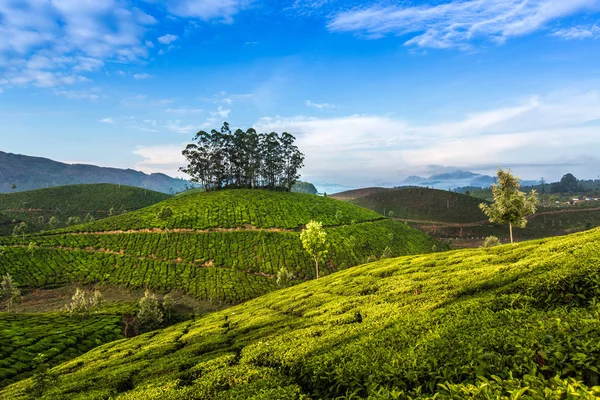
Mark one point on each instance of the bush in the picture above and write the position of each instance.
(491, 241)
(82, 303)
(150, 316)
(284, 277)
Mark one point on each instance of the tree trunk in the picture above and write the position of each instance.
(511, 233)
(317, 266)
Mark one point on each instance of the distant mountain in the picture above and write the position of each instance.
(28, 173)
(455, 179)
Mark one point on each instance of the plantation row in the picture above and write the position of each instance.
(251, 251)
(57, 336)
(237, 208)
(512, 322)
(47, 209)
(423, 204)
(45, 267)
(540, 225)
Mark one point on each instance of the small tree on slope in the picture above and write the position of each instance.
(314, 241)
(9, 292)
(511, 206)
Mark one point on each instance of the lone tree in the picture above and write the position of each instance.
(9, 292)
(511, 206)
(314, 241)
(20, 229)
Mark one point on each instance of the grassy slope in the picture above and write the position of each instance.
(222, 265)
(237, 208)
(70, 201)
(484, 323)
(56, 335)
(420, 204)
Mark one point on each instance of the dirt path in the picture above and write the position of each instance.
(244, 228)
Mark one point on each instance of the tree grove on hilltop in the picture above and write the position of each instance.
(510, 206)
(222, 159)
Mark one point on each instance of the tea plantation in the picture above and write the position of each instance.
(243, 239)
(237, 208)
(509, 322)
(418, 204)
(36, 207)
(55, 335)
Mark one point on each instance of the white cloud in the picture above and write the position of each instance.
(221, 112)
(91, 94)
(142, 76)
(162, 158)
(179, 127)
(457, 23)
(149, 44)
(361, 149)
(168, 39)
(319, 106)
(223, 10)
(579, 32)
(107, 121)
(1, 90)
(48, 42)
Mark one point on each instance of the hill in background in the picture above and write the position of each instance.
(29, 173)
(37, 207)
(486, 323)
(226, 246)
(417, 204)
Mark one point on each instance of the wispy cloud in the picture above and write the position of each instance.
(579, 32)
(142, 76)
(223, 10)
(319, 106)
(179, 127)
(168, 38)
(221, 112)
(359, 149)
(107, 120)
(90, 94)
(457, 23)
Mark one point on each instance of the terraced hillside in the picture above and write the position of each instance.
(223, 246)
(518, 321)
(36, 207)
(417, 204)
(55, 335)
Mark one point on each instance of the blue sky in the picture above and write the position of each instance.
(374, 91)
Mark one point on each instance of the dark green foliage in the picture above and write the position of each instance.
(484, 324)
(418, 204)
(222, 159)
(55, 335)
(46, 209)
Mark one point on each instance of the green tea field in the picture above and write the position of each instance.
(514, 321)
(37, 207)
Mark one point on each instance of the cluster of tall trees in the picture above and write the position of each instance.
(243, 159)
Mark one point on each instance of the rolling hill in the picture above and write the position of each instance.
(417, 204)
(29, 173)
(225, 246)
(518, 321)
(36, 207)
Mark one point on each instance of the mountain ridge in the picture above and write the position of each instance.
(30, 173)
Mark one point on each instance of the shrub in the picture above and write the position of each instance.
(150, 316)
(491, 241)
(82, 303)
(9, 292)
(284, 277)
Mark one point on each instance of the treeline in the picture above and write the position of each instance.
(222, 159)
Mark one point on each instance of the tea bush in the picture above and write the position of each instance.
(518, 321)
